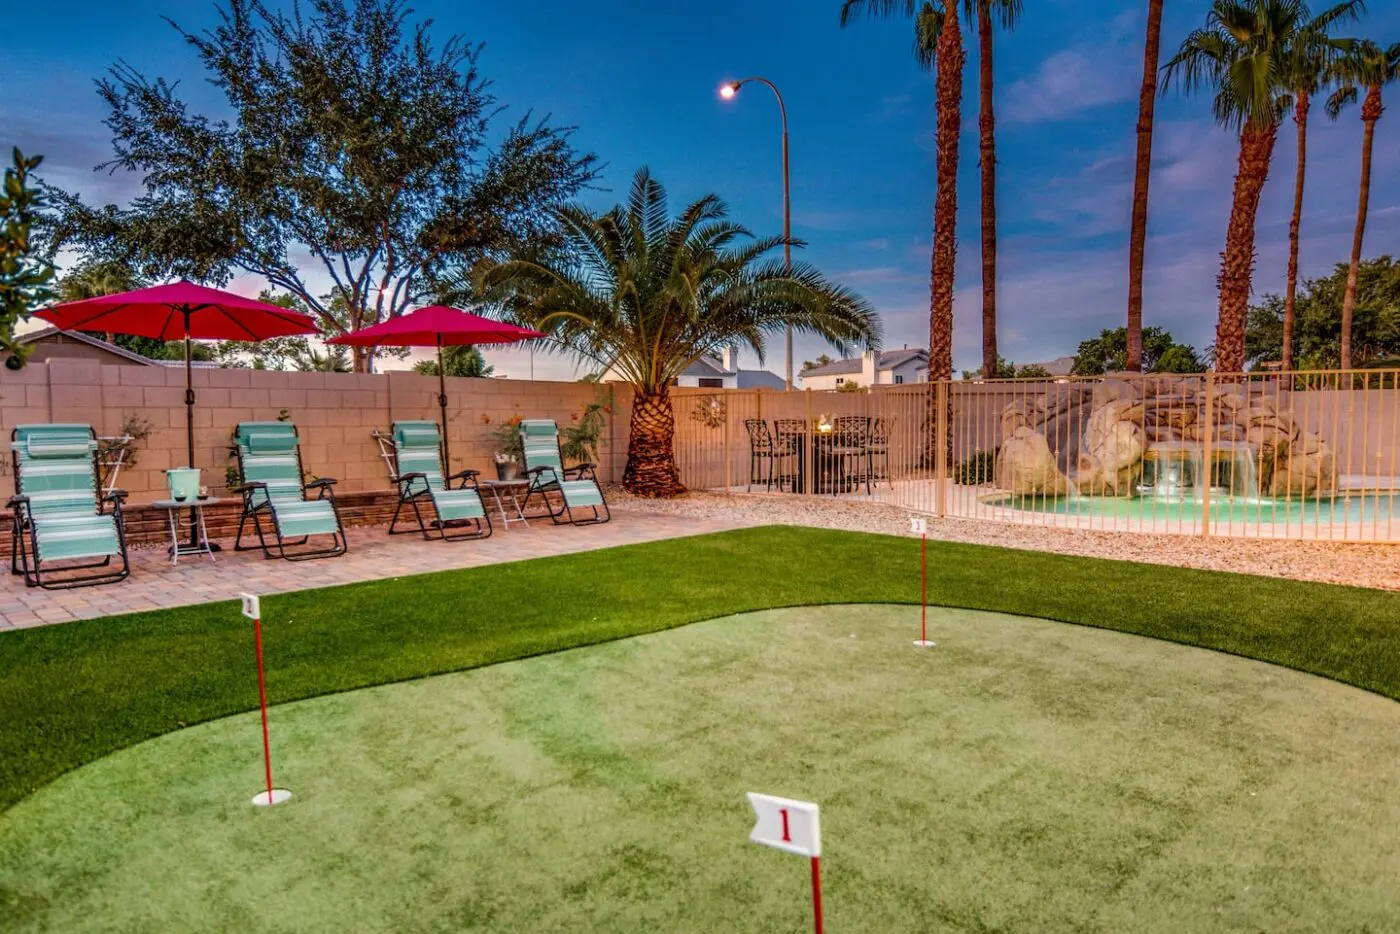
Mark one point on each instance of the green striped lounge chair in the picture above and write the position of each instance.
(60, 525)
(418, 473)
(276, 499)
(576, 486)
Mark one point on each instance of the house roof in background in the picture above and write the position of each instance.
(887, 360)
(760, 379)
(43, 334)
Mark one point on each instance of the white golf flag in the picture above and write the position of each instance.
(918, 525)
(785, 824)
(251, 606)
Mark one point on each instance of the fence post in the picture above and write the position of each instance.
(940, 488)
(809, 483)
(1207, 453)
(728, 473)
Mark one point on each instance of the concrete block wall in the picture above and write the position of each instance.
(334, 414)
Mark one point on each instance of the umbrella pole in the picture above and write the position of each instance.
(195, 543)
(442, 403)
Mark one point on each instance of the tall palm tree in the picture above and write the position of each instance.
(1137, 247)
(1242, 54)
(937, 42)
(644, 295)
(1370, 66)
(1307, 67)
(1005, 12)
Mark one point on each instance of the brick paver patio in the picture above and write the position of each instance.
(154, 584)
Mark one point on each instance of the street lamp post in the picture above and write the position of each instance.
(728, 91)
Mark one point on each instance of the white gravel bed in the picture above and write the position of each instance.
(1360, 565)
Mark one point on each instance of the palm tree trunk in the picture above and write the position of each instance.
(1300, 117)
(986, 125)
(651, 454)
(1237, 264)
(1370, 113)
(1137, 249)
(950, 59)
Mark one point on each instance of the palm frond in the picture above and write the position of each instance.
(852, 10)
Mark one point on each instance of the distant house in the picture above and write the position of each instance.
(888, 368)
(53, 344)
(721, 372)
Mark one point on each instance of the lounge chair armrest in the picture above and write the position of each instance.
(464, 474)
(411, 476)
(540, 470)
(249, 487)
(18, 500)
(116, 496)
(322, 483)
(578, 467)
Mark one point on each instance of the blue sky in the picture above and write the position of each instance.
(638, 79)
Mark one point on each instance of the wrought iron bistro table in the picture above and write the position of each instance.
(511, 488)
(198, 543)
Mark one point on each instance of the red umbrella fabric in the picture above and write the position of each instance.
(437, 326)
(180, 311)
(434, 325)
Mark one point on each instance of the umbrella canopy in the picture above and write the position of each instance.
(180, 311)
(437, 326)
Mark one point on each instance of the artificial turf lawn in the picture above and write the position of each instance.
(1022, 776)
(74, 692)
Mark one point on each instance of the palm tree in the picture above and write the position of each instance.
(937, 40)
(1243, 53)
(643, 295)
(461, 360)
(1307, 66)
(1371, 66)
(1137, 247)
(1006, 12)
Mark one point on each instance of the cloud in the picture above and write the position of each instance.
(891, 106)
(1068, 83)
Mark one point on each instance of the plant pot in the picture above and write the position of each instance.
(510, 470)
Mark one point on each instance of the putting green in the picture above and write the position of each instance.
(1023, 775)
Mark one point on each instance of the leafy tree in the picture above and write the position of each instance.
(823, 360)
(352, 138)
(1370, 66)
(1033, 371)
(643, 294)
(1108, 353)
(1242, 55)
(461, 360)
(937, 41)
(24, 276)
(1318, 319)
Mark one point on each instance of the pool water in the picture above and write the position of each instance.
(1357, 509)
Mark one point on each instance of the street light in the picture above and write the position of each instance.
(729, 91)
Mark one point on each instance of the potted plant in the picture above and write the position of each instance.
(510, 454)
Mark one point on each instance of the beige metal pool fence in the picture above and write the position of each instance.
(1307, 455)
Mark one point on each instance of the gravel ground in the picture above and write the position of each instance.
(1361, 565)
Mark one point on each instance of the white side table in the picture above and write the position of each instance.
(196, 507)
(511, 488)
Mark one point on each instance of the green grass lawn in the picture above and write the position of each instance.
(1022, 776)
(74, 692)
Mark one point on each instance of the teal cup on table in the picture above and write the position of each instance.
(183, 483)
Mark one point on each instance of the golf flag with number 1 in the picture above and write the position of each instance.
(793, 827)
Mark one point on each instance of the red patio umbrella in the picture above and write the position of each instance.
(437, 326)
(180, 311)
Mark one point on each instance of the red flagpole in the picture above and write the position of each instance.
(262, 698)
(923, 588)
(817, 892)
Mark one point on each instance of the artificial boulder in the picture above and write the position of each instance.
(1026, 466)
